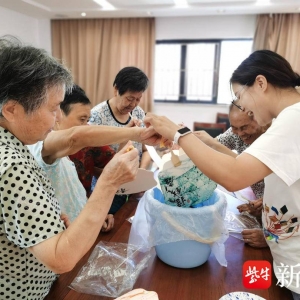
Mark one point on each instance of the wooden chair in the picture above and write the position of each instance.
(223, 118)
(213, 129)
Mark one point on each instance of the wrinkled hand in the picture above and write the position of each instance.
(255, 238)
(121, 168)
(108, 224)
(254, 207)
(150, 137)
(205, 137)
(161, 125)
(65, 219)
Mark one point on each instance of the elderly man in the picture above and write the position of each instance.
(243, 132)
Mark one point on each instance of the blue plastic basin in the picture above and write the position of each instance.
(183, 254)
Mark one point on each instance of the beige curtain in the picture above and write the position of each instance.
(279, 33)
(96, 49)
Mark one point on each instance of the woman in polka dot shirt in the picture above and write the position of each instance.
(34, 243)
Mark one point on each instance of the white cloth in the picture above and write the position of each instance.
(64, 178)
(279, 149)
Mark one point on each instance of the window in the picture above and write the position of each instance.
(197, 71)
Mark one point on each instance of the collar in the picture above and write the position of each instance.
(9, 140)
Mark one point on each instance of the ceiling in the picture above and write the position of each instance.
(70, 9)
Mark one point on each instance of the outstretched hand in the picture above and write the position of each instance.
(150, 137)
(205, 137)
(122, 168)
(162, 125)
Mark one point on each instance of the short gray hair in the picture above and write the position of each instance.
(26, 74)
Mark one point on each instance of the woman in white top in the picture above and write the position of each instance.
(263, 85)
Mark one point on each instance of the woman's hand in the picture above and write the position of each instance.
(254, 207)
(150, 137)
(205, 137)
(161, 125)
(255, 238)
(122, 168)
(108, 224)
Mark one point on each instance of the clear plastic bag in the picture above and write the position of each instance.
(111, 270)
(236, 223)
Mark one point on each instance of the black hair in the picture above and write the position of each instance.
(76, 95)
(26, 74)
(274, 67)
(131, 79)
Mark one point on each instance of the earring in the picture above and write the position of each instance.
(250, 113)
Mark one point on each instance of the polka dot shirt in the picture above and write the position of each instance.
(234, 142)
(29, 214)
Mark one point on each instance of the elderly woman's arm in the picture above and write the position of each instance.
(213, 143)
(69, 141)
(61, 252)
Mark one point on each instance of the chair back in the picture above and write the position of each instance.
(223, 118)
(213, 129)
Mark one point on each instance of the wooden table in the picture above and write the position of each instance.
(207, 282)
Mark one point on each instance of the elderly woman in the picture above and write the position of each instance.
(34, 243)
(128, 88)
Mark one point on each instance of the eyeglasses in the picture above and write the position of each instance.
(236, 97)
(238, 106)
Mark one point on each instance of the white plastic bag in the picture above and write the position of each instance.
(156, 223)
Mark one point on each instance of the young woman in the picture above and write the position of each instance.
(263, 85)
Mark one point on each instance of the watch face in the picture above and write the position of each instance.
(183, 130)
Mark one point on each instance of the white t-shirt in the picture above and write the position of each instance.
(279, 149)
(64, 178)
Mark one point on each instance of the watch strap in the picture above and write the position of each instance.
(178, 135)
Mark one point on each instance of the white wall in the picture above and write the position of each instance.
(30, 30)
(203, 27)
(38, 33)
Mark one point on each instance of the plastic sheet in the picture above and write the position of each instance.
(236, 223)
(111, 270)
(156, 223)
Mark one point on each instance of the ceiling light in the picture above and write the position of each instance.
(181, 3)
(83, 14)
(105, 4)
